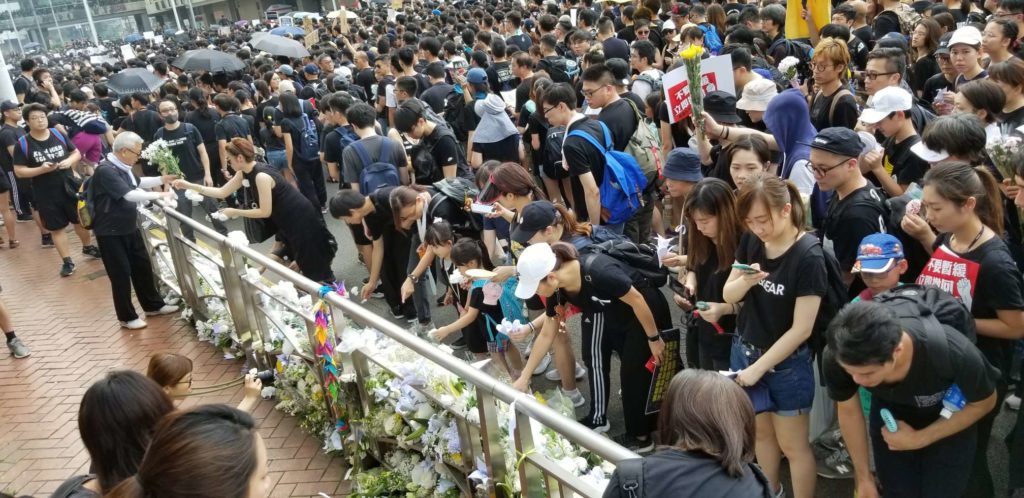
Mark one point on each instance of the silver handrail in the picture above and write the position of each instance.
(535, 472)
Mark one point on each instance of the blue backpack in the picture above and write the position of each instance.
(712, 41)
(379, 174)
(308, 148)
(624, 182)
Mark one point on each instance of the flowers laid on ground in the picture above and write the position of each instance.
(159, 153)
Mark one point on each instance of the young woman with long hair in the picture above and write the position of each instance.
(963, 204)
(999, 40)
(923, 42)
(778, 294)
(747, 156)
(713, 231)
(1009, 76)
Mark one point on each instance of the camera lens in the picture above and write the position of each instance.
(266, 377)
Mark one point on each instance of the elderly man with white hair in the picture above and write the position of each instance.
(113, 194)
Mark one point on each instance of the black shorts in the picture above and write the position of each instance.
(359, 236)
(475, 340)
(57, 214)
(5, 182)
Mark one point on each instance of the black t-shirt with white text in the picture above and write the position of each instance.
(51, 150)
(184, 142)
(768, 307)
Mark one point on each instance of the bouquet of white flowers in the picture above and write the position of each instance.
(788, 67)
(160, 154)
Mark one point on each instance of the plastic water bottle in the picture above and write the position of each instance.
(952, 402)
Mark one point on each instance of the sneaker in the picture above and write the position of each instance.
(828, 443)
(575, 396)
(636, 444)
(545, 362)
(135, 324)
(421, 329)
(600, 429)
(13, 244)
(167, 309)
(838, 465)
(24, 218)
(553, 374)
(1013, 402)
(67, 268)
(18, 348)
(92, 251)
(47, 240)
(397, 314)
(460, 343)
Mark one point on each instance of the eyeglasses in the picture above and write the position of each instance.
(549, 109)
(821, 66)
(589, 93)
(821, 171)
(871, 76)
(643, 33)
(136, 152)
(186, 381)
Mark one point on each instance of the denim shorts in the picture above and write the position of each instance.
(790, 384)
(278, 159)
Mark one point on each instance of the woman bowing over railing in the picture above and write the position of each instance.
(298, 223)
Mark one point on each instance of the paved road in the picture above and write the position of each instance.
(347, 267)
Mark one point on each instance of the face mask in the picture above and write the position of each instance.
(171, 118)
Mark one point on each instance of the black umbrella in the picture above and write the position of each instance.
(136, 79)
(279, 45)
(208, 60)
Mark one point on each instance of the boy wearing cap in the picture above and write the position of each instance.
(897, 167)
(855, 209)
(880, 263)
(965, 53)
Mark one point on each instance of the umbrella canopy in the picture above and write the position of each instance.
(277, 45)
(132, 38)
(205, 59)
(287, 30)
(136, 79)
(31, 45)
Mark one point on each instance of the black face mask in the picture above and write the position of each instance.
(171, 118)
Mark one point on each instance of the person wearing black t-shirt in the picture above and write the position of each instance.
(439, 152)
(897, 167)
(945, 80)
(230, 125)
(143, 121)
(308, 173)
(584, 162)
(21, 188)
(856, 208)
(961, 206)
(205, 118)
(116, 192)
(390, 247)
(186, 143)
(607, 292)
(779, 292)
(1009, 75)
(907, 371)
(47, 157)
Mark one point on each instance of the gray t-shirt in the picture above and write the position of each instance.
(352, 166)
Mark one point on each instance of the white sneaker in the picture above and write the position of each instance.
(1013, 402)
(575, 396)
(135, 324)
(166, 310)
(545, 362)
(421, 329)
(553, 374)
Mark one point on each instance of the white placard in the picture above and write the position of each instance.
(392, 15)
(149, 35)
(127, 52)
(158, 39)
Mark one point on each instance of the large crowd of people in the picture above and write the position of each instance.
(845, 239)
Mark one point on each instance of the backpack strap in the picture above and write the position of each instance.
(835, 100)
(364, 156)
(631, 477)
(23, 144)
(385, 151)
(593, 141)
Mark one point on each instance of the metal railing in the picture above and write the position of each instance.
(245, 294)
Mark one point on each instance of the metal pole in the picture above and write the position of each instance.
(17, 32)
(174, 8)
(92, 25)
(56, 24)
(192, 15)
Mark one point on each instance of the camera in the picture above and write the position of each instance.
(266, 377)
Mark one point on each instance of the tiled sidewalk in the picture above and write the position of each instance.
(70, 326)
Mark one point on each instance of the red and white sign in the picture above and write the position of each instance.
(716, 74)
(951, 273)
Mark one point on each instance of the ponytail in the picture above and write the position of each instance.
(564, 253)
(957, 182)
(129, 488)
(798, 213)
(774, 193)
(570, 225)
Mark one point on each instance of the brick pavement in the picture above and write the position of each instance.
(75, 339)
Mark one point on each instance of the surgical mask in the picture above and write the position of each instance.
(171, 118)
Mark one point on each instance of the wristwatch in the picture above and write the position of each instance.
(654, 338)
(413, 278)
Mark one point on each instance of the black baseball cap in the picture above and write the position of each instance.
(721, 106)
(838, 140)
(8, 105)
(943, 47)
(536, 216)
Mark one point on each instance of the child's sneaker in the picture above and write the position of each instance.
(553, 374)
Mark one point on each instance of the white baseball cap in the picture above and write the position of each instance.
(929, 155)
(534, 264)
(967, 35)
(885, 102)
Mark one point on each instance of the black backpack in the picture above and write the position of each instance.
(560, 69)
(932, 310)
(836, 293)
(462, 192)
(552, 154)
(641, 259)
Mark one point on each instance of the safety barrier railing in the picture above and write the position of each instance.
(246, 297)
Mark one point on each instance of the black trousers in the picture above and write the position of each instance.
(127, 264)
(393, 272)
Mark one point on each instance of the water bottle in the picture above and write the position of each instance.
(952, 402)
